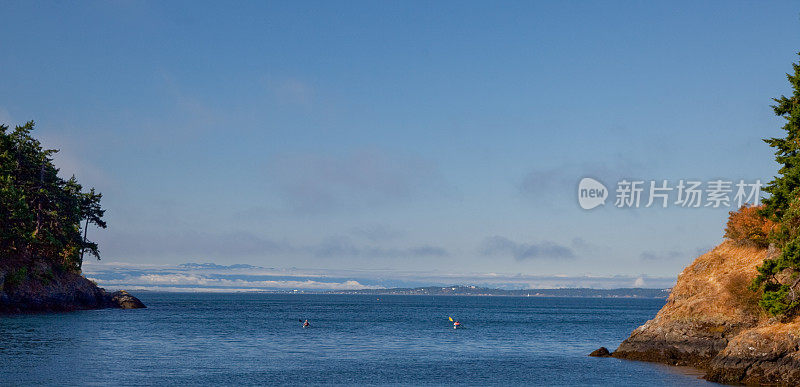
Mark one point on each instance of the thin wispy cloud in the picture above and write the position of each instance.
(344, 247)
(376, 232)
(241, 244)
(660, 256)
(365, 178)
(560, 181)
(500, 246)
(193, 244)
(292, 91)
(673, 254)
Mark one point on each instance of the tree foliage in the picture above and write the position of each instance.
(41, 214)
(779, 277)
(749, 226)
(787, 151)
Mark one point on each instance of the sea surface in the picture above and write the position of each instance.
(257, 339)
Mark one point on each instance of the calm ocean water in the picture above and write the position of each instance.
(257, 339)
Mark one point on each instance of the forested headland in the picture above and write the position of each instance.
(44, 225)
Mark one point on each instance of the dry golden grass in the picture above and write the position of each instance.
(714, 288)
(792, 327)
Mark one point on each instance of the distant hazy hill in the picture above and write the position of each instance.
(214, 266)
(478, 291)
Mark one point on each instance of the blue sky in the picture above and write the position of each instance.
(442, 137)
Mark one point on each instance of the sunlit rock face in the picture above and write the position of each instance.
(712, 321)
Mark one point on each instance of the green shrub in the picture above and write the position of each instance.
(777, 279)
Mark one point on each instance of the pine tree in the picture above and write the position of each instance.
(787, 151)
(41, 214)
(779, 277)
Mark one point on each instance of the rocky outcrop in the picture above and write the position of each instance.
(766, 354)
(600, 352)
(123, 300)
(40, 288)
(712, 321)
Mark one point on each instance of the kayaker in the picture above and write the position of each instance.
(456, 325)
(306, 324)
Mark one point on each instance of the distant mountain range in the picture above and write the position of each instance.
(214, 266)
(479, 291)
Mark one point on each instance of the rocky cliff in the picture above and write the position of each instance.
(38, 287)
(712, 321)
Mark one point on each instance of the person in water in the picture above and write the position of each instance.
(306, 324)
(456, 325)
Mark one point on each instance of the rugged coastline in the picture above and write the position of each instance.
(43, 289)
(712, 322)
(44, 232)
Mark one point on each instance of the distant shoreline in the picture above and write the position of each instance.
(477, 291)
(453, 291)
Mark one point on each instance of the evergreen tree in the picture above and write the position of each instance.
(779, 277)
(787, 151)
(41, 214)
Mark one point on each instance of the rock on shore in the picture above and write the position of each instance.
(600, 352)
(712, 321)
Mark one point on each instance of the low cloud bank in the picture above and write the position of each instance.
(198, 281)
(210, 277)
